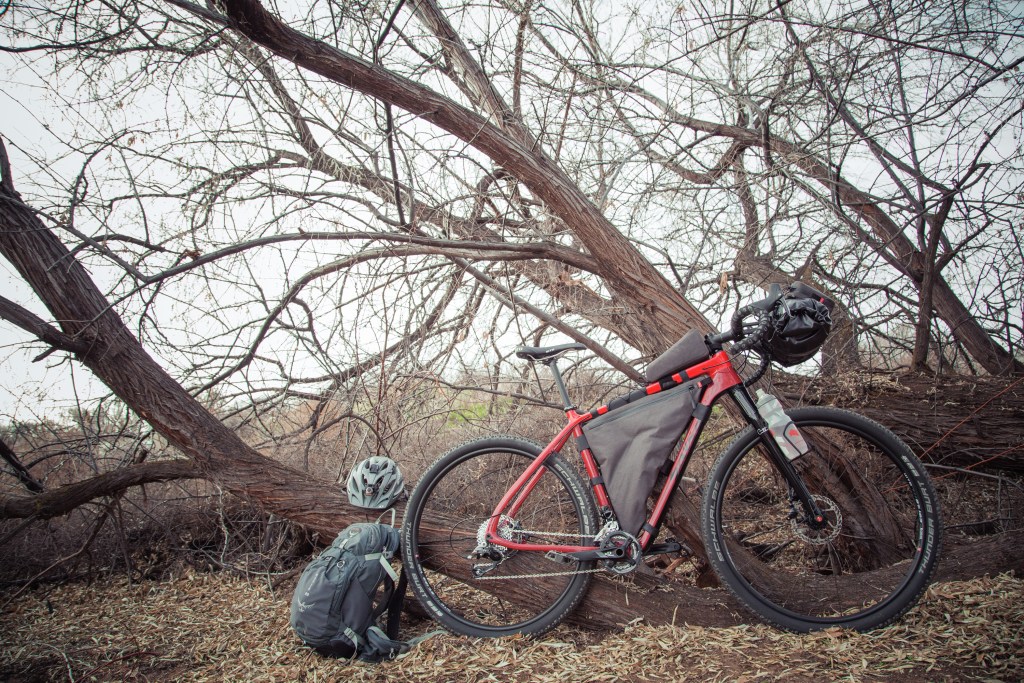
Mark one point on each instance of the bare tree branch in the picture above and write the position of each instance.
(23, 475)
(60, 501)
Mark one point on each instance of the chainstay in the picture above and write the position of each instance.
(553, 534)
(539, 574)
(536, 575)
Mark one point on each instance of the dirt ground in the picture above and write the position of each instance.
(206, 627)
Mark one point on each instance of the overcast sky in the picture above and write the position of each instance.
(30, 391)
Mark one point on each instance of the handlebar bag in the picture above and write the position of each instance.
(633, 440)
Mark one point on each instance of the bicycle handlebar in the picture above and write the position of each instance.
(752, 338)
(747, 339)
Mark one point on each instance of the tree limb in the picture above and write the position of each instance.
(626, 270)
(24, 476)
(63, 500)
(33, 324)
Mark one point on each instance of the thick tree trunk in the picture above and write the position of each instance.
(612, 603)
(949, 420)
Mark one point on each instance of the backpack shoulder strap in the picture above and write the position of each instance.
(396, 602)
(384, 562)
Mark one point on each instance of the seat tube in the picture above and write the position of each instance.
(562, 391)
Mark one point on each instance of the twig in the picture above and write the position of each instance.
(965, 470)
(95, 532)
(123, 657)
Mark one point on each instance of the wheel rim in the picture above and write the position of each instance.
(851, 575)
(459, 501)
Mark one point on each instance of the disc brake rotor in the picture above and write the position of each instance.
(826, 534)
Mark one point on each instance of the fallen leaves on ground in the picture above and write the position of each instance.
(201, 627)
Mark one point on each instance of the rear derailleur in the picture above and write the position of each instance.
(509, 530)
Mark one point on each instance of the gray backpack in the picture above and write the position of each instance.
(336, 607)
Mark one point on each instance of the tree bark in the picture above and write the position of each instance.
(950, 421)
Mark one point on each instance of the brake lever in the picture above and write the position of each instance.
(768, 303)
(752, 339)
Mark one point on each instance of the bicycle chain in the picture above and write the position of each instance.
(551, 534)
(539, 575)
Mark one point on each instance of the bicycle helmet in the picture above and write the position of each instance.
(800, 326)
(375, 483)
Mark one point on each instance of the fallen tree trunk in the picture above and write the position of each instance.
(611, 603)
(948, 420)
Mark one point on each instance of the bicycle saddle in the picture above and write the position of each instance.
(543, 353)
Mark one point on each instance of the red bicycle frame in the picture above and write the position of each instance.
(723, 378)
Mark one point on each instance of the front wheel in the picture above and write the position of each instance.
(865, 566)
(478, 590)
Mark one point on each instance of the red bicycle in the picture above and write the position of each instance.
(813, 518)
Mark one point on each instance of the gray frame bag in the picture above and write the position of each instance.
(631, 443)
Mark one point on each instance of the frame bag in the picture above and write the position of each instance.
(631, 443)
(333, 608)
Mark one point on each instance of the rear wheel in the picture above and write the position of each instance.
(870, 561)
(479, 590)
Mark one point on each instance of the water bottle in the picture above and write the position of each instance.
(789, 438)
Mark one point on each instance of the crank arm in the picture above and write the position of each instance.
(666, 547)
(595, 554)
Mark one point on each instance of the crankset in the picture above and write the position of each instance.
(619, 553)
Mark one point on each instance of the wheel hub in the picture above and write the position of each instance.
(825, 532)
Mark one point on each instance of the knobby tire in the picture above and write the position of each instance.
(867, 566)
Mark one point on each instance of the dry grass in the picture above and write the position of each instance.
(202, 627)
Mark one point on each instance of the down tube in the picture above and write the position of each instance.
(678, 467)
(723, 378)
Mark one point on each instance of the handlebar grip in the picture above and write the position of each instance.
(737, 320)
(763, 309)
(754, 338)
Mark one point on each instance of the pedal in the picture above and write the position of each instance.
(558, 557)
(670, 545)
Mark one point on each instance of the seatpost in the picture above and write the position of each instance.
(566, 403)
